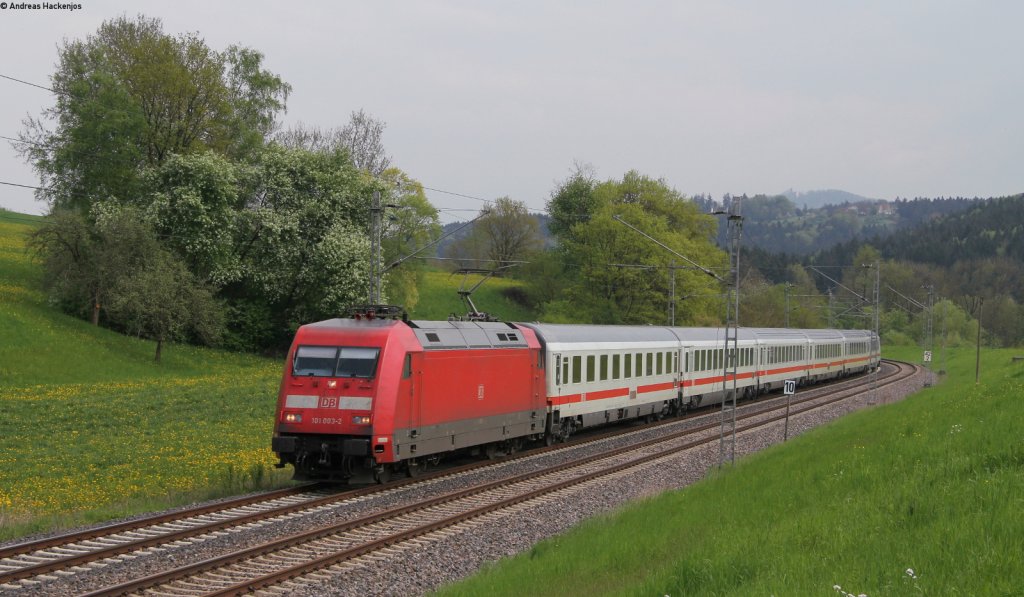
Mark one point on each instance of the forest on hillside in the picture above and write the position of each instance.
(777, 225)
(973, 257)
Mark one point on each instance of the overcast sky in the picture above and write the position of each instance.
(488, 99)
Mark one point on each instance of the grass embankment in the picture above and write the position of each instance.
(932, 484)
(92, 428)
(439, 298)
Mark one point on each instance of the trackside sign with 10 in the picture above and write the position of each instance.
(789, 387)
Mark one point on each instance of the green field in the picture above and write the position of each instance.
(92, 428)
(932, 484)
(439, 298)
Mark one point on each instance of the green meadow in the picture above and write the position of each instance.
(919, 497)
(93, 429)
(439, 297)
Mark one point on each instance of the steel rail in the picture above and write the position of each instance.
(305, 537)
(53, 564)
(99, 532)
(131, 525)
(268, 580)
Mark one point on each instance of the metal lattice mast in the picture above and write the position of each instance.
(730, 357)
(942, 367)
(787, 287)
(878, 337)
(929, 330)
(672, 294)
(376, 213)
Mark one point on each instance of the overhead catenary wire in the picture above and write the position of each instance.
(51, 90)
(24, 186)
(9, 78)
(426, 188)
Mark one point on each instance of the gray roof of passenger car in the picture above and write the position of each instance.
(589, 334)
(557, 333)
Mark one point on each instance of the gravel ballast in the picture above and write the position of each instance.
(442, 558)
(429, 566)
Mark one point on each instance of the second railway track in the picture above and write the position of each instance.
(360, 537)
(21, 563)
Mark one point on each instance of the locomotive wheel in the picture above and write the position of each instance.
(413, 468)
(382, 474)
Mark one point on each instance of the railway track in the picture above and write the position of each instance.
(22, 564)
(268, 565)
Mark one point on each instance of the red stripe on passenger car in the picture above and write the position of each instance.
(655, 387)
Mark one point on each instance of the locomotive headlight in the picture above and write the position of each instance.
(332, 383)
(292, 418)
(361, 420)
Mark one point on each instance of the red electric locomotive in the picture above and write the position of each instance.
(364, 398)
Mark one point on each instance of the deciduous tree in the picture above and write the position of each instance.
(505, 233)
(130, 96)
(163, 301)
(608, 282)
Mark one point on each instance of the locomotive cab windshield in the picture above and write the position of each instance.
(335, 361)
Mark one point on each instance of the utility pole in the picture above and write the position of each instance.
(928, 334)
(831, 324)
(977, 353)
(878, 337)
(735, 223)
(876, 342)
(376, 211)
(788, 286)
(942, 370)
(672, 294)
(727, 435)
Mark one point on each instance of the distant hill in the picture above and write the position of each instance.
(992, 229)
(777, 225)
(821, 198)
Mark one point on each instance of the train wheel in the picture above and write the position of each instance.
(413, 468)
(568, 426)
(382, 474)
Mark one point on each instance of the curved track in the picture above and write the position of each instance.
(71, 552)
(332, 546)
